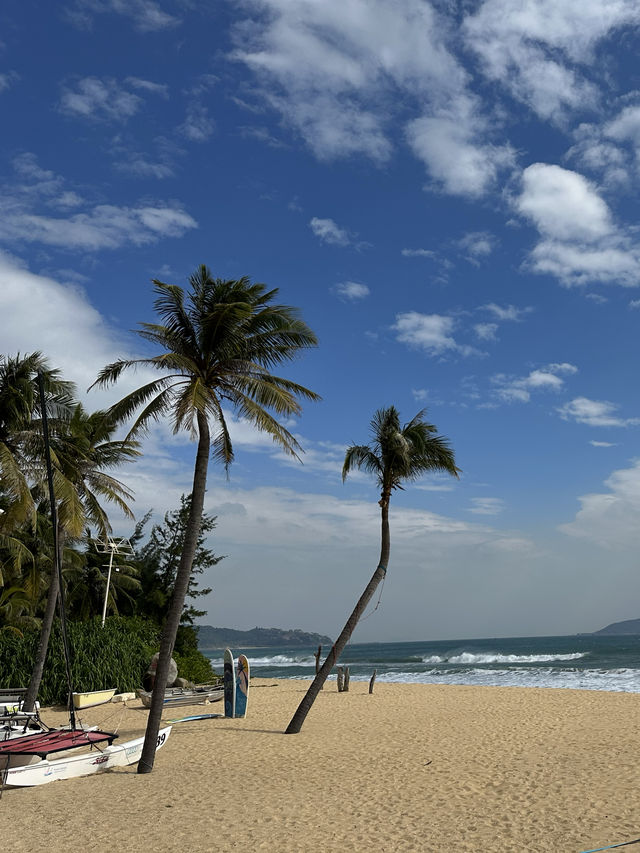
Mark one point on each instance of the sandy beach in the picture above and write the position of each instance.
(409, 768)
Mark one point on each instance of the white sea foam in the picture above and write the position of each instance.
(471, 658)
(615, 680)
(282, 660)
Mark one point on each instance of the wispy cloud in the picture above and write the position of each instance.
(102, 99)
(39, 210)
(418, 253)
(486, 506)
(145, 15)
(519, 389)
(596, 413)
(352, 290)
(477, 245)
(345, 74)
(538, 50)
(329, 232)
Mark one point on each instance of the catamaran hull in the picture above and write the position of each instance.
(116, 755)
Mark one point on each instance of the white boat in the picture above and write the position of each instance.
(200, 695)
(92, 698)
(29, 769)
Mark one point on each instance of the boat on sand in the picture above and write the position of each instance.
(200, 695)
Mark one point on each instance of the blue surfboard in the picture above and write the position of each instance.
(242, 686)
(229, 684)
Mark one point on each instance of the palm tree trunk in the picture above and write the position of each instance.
(45, 630)
(183, 575)
(316, 685)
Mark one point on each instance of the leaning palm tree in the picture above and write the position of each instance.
(219, 343)
(82, 453)
(397, 454)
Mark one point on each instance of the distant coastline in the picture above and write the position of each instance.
(219, 638)
(628, 627)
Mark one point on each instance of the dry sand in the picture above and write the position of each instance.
(411, 767)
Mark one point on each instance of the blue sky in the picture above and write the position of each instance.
(448, 192)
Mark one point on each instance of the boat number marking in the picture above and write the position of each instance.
(160, 741)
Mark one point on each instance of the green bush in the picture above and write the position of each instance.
(114, 656)
(195, 667)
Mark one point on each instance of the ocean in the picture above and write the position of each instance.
(580, 662)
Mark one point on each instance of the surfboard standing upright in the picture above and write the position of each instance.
(229, 684)
(242, 686)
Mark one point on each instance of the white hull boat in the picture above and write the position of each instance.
(42, 771)
(174, 696)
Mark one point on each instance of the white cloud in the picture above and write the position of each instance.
(198, 126)
(518, 390)
(329, 232)
(26, 215)
(486, 331)
(352, 290)
(160, 89)
(7, 79)
(579, 241)
(418, 253)
(99, 99)
(477, 244)
(539, 50)
(597, 413)
(431, 332)
(346, 73)
(635, 303)
(38, 312)
(602, 444)
(610, 519)
(449, 145)
(509, 312)
(146, 15)
(487, 506)
(102, 227)
(563, 205)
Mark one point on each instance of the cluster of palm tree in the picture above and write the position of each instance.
(217, 345)
(83, 451)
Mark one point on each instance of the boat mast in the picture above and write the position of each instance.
(56, 555)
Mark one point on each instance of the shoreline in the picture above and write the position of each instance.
(411, 767)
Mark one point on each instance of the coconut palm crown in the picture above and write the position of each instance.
(220, 342)
(400, 453)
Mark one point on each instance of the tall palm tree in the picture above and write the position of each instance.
(82, 452)
(397, 454)
(219, 343)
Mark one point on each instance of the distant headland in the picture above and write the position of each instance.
(219, 638)
(629, 626)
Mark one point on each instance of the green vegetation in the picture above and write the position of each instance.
(114, 656)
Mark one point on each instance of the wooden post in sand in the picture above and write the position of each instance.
(372, 681)
(317, 657)
(347, 676)
(340, 679)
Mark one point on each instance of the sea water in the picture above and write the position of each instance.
(581, 662)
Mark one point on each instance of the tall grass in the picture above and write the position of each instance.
(114, 656)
